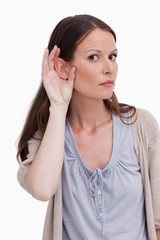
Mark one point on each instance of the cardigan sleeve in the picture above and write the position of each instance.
(154, 166)
(33, 145)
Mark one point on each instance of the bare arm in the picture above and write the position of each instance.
(44, 173)
(158, 234)
(43, 176)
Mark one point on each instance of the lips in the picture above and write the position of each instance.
(108, 82)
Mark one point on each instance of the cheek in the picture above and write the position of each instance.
(84, 74)
(83, 80)
(116, 68)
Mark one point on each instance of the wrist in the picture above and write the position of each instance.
(58, 109)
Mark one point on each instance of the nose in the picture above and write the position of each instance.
(109, 66)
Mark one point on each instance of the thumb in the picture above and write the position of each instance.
(71, 77)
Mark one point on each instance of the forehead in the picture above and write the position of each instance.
(98, 38)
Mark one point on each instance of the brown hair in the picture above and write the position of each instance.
(68, 33)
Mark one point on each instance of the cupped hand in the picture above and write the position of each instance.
(59, 90)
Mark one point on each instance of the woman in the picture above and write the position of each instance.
(95, 160)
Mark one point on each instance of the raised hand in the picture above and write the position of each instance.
(59, 90)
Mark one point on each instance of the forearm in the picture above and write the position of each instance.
(44, 174)
(158, 234)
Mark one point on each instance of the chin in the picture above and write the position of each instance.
(108, 96)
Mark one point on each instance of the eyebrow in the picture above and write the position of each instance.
(97, 50)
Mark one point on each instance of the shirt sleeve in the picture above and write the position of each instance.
(154, 167)
(33, 145)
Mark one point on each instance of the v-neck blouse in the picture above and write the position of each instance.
(114, 151)
(103, 204)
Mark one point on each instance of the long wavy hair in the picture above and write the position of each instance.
(67, 35)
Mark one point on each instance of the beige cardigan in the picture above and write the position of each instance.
(147, 146)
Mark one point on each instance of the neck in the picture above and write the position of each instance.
(86, 113)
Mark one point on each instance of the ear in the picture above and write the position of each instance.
(62, 68)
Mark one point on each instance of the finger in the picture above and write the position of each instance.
(45, 66)
(58, 52)
(52, 57)
(71, 77)
(56, 56)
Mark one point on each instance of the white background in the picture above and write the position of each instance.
(24, 33)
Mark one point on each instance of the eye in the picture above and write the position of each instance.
(113, 57)
(93, 57)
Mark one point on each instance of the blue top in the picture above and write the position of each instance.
(106, 204)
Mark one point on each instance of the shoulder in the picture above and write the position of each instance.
(34, 143)
(36, 139)
(146, 122)
(145, 116)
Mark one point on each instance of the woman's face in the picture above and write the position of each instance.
(96, 66)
